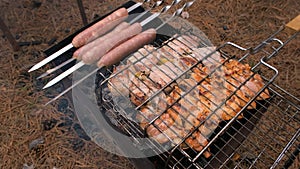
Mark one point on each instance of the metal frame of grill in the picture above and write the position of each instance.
(237, 135)
(179, 158)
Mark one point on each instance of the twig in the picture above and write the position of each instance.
(9, 36)
(29, 43)
(82, 13)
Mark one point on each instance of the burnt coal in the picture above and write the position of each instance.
(225, 27)
(36, 4)
(96, 16)
(66, 122)
(80, 132)
(70, 114)
(63, 105)
(38, 84)
(67, 30)
(35, 54)
(16, 56)
(52, 41)
(30, 43)
(49, 94)
(59, 88)
(77, 144)
(18, 36)
(49, 124)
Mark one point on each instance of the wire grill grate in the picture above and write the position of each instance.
(265, 135)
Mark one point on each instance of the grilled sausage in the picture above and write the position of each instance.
(81, 51)
(100, 28)
(100, 49)
(127, 47)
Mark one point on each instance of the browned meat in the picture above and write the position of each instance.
(163, 74)
(166, 128)
(231, 84)
(238, 73)
(188, 41)
(140, 89)
(153, 108)
(119, 83)
(202, 54)
(139, 63)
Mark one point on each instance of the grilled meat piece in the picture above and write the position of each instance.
(239, 73)
(153, 108)
(119, 84)
(163, 74)
(140, 63)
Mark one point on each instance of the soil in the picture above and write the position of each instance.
(35, 136)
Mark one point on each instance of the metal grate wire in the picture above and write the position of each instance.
(269, 136)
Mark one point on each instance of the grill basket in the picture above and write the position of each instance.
(242, 143)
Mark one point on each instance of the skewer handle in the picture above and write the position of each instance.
(294, 24)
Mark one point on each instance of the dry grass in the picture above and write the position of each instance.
(22, 111)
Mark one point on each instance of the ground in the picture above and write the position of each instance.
(35, 136)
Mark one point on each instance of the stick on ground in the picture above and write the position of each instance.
(9, 36)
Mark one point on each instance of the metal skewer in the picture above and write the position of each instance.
(81, 63)
(176, 13)
(133, 7)
(70, 46)
(49, 71)
(158, 3)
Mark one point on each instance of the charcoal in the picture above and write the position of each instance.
(70, 114)
(16, 56)
(77, 144)
(63, 105)
(49, 124)
(36, 4)
(35, 54)
(18, 36)
(67, 30)
(80, 132)
(21, 84)
(52, 41)
(67, 122)
(38, 84)
(25, 75)
(225, 28)
(59, 88)
(30, 43)
(49, 94)
(96, 16)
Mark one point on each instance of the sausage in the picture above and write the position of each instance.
(100, 28)
(100, 49)
(127, 47)
(79, 52)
